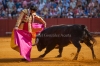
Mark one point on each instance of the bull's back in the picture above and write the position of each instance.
(60, 34)
(54, 29)
(55, 35)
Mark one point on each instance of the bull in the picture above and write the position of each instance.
(63, 35)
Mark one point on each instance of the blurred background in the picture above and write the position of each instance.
(52, 8)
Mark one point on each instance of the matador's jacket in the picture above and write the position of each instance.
(25, 17)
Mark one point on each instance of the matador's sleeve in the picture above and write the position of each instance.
(38, 18)
(20, 17)
(29, 24)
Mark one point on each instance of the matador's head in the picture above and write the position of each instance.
(33, 8)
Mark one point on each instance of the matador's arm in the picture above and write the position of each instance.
(19, 19)
(39, 18)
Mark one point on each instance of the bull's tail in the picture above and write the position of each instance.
(91, 38)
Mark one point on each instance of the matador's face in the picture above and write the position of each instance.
(32, 11)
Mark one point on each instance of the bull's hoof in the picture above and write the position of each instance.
(58, 56)
(75, 58)
(41, 56)
(94, 57)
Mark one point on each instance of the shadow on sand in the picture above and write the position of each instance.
(13, 60)
(18, 60)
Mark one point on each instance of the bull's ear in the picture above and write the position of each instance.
(83, 26)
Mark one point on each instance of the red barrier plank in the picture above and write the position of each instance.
(95, 25)
(51, 22)
(11, 24)
(65, 21)
(83, 21)
(3, 27)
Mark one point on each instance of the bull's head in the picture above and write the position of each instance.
(40, 45)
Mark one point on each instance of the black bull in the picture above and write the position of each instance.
(63, 35)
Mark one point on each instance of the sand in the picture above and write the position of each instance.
(9, 57)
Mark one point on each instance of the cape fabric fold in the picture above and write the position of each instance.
(37, 28)
(22, 40)
(13, 44)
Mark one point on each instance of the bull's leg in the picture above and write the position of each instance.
(48, 49)
(78, 46)
(87, 42)
(60, 52)
(36, 42)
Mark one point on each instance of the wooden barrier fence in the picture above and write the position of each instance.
(93, 24)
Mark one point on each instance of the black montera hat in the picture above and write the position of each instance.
(33, 7)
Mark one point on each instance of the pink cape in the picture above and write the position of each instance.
(36, 27)
(23, 41)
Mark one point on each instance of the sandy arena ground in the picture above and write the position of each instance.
(9, 57)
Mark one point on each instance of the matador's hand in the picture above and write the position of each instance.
(16, 28)
(44, 25)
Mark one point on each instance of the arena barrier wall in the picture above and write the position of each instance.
(93, 24)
